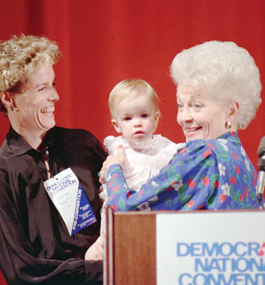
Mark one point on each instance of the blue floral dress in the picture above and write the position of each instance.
(204, 174)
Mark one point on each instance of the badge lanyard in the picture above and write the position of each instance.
(46, 162)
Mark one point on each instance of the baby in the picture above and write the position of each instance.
(135, 115)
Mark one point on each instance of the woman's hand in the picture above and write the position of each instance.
(96, 250)
(119, 158)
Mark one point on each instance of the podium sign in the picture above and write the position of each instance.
(185, 248)
(211, 248)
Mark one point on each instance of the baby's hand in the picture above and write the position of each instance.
(96, 251)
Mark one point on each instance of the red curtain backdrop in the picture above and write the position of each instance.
(104, 42)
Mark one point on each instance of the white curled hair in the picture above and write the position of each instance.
(226, 71)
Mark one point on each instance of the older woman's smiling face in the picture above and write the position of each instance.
(200, 115)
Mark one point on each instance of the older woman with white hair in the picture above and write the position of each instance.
(218, 92)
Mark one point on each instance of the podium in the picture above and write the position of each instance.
(199, 247)
(130, 244)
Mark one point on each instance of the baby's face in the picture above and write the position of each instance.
(135, 118)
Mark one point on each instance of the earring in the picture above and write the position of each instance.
(11, 106)
(228, 125)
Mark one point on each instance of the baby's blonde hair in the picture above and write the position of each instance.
(131, 88)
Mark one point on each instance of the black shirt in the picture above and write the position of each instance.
(35, 246)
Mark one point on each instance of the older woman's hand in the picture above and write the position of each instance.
(119, 158)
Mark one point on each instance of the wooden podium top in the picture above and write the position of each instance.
(131, 239)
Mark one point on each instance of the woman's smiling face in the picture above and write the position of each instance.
(35, 101)
(200, 115)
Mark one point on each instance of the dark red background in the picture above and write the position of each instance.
(106, 41)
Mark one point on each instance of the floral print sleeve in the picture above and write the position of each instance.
(212, 174)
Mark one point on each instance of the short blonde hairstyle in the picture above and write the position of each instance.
(22, 56)
(131, 88)
(226, 71)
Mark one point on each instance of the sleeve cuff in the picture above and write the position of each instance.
(94, 271)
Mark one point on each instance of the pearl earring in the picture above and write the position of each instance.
(228, 125)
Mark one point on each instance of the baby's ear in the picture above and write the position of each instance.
(116, 126)
(157, 115)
